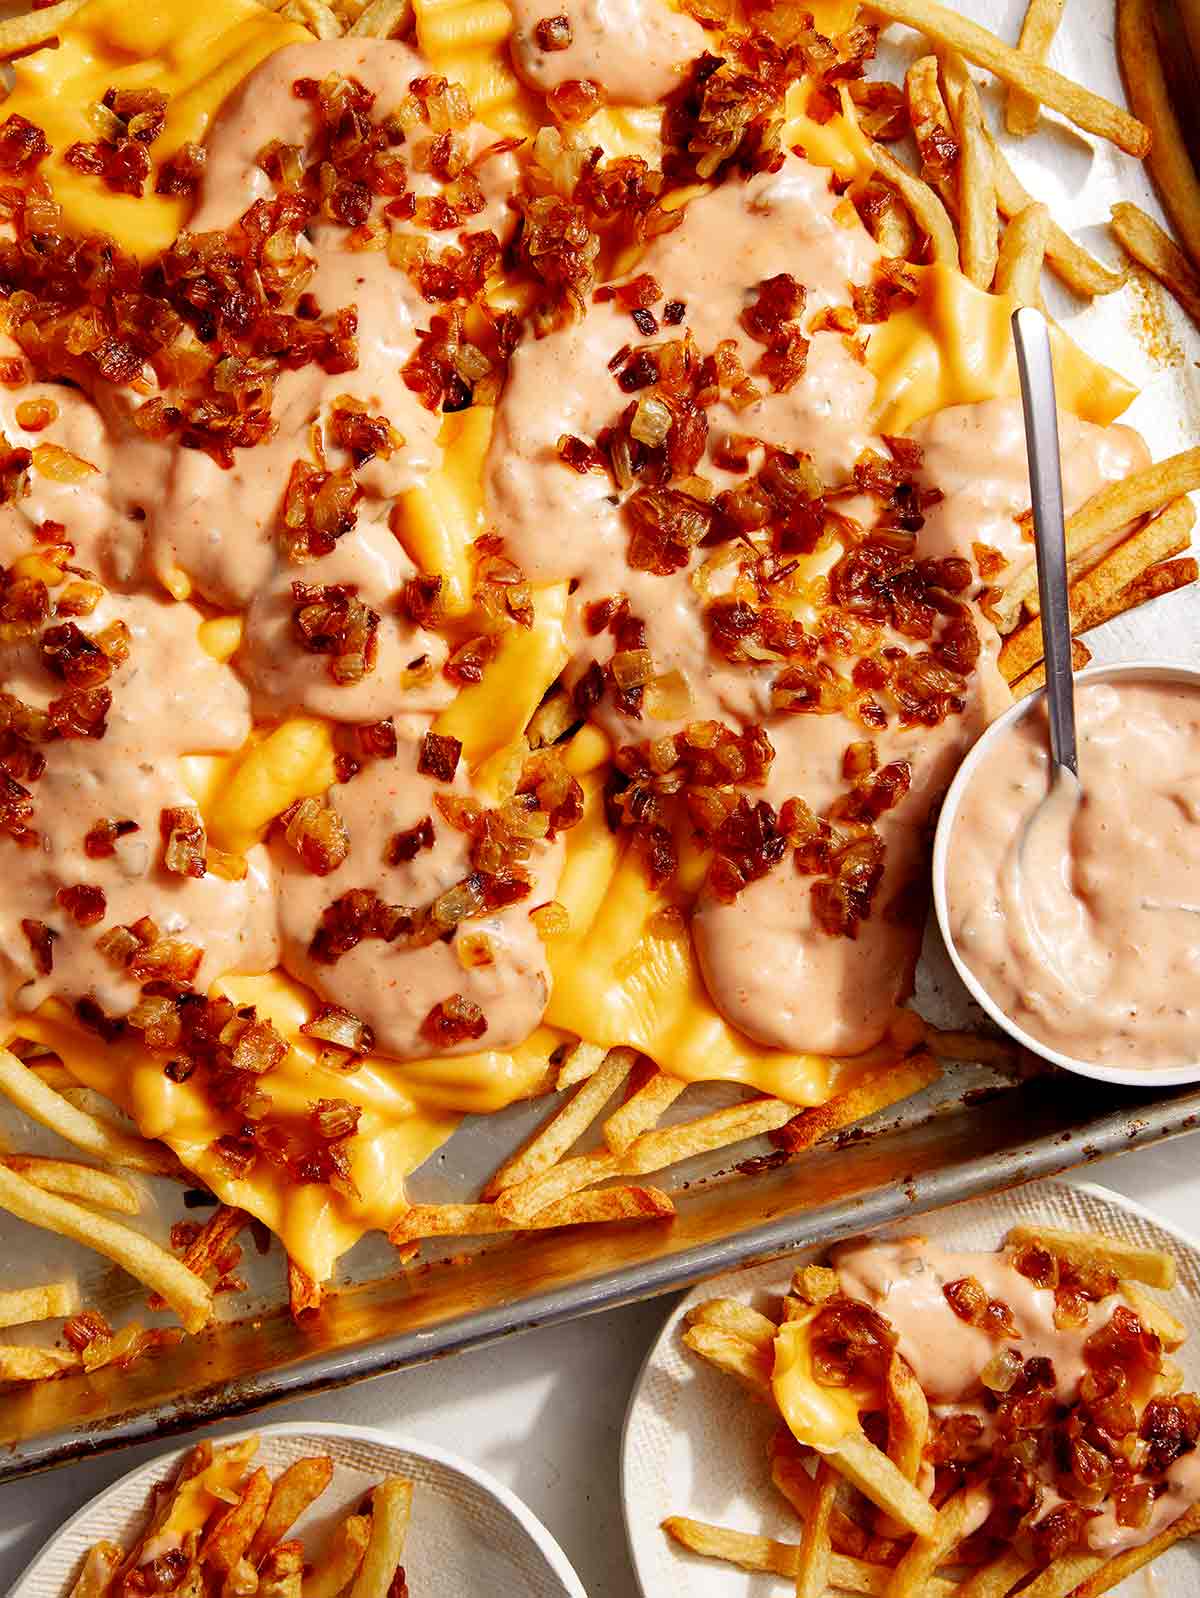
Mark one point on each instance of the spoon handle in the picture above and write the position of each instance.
(1032, 338)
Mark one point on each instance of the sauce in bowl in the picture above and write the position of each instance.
(1081, 929)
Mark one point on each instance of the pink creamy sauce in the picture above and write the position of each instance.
(150, 507)
(636, 50)
(904, 1282)
(1058, 920)
(769, 968)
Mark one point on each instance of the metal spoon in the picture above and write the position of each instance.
(1032, 338)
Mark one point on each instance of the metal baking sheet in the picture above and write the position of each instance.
(972, 1133)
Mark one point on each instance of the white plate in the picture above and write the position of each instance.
(469, 1535)
(695, 1445)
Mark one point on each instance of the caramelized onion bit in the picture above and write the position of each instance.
(405, 846)
(40, 939)
(23, 145)
(851, 1342)
(100, 841)
(453, 1021)
(84, 903)
(185, 841)
(333, 1024)
(1171, 1427)
(329, 619)
(439, 756)
(969, 1300)
(356, 916)
(317, 833)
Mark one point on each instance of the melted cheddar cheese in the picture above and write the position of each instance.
(821, 1417)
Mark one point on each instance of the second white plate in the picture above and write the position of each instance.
(695, 1445)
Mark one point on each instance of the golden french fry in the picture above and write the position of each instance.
(1087, 110)
(1150, 246)
(97, 1571)
(1062, 1576)
(790, 1475)
(305, 1296)
(740, 1320)
(1022, 254)
(925, 1554)
(1122, 1565)
(1021, 110)
(641, 1110)
(1082, 273)
(20, 1364)
(584, 1060)
(18, 35)
(447, 1220)
(282, 1574)
(314, 15)
(22, 1305)
(1154, 1267)
(908, 1427)
(607, 1204)
(1169, 162)
(552, 718)
(566, 1126)
(383, 19)
(886, 219)
(187, 1295)
(926, 209)
(338, 1564)
(295, 1488)
(1114, 507)
(814, 1283)
(780, 1559)
(978, 222)
(226, 1541)
(870, 1470)
(997, 1579)
(932, 128)
(1035, 679)
(876, 1090)
(25, 1088)
(391, 1505)
(667, 1146)
(815, 1558)
(521, 1203)
(72, 1180)
(1094, 592)
(1153, 583)
(733, 1355)
(1155, 1317)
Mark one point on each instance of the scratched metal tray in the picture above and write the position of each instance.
(972, 1133)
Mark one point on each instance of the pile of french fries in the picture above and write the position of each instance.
(221, 1529)
(865, 1526)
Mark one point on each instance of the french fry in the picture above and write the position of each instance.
(391, 1506)
(577, 1209)
(382, 19)
(978, 223)
(99, 1566)
(733, 1355)
(1021, 110)
(780, 1559)
(1153, 583)
(925, 1554)
(1082, 273)
(1145, 242)
(20, 1306)
(338, 1564)
(1035, 679)
(814, 1283)
(1153, 1267)
(1088, 111)
(926, 209)
(667, 1146)
(20, 1364)
(815, 1558)
(1145, 83)
(521, 1203)
(314, 15)
(1022, 255)
(997, 1579)
(187, 1295)
(282, 1574)
(227, 1539)
(305, 1296)
(1114, 507)
(790, 1475)
(908, 1427)
(25, 1088)
(1165, 535)
(1155, 1317)
(931, 126)
(294, 1489)
(876, 1090)
(18, 35)
(872, 1472)
(584, 1060)
(1123, 1565)
(1062, 1576)
(641, 1110)
(73, 1180)
(565, 1127)
(885, 219)
(739, 1319)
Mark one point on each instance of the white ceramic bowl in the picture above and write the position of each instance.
(1157, 1076)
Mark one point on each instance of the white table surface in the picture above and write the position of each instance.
(543, 1411)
